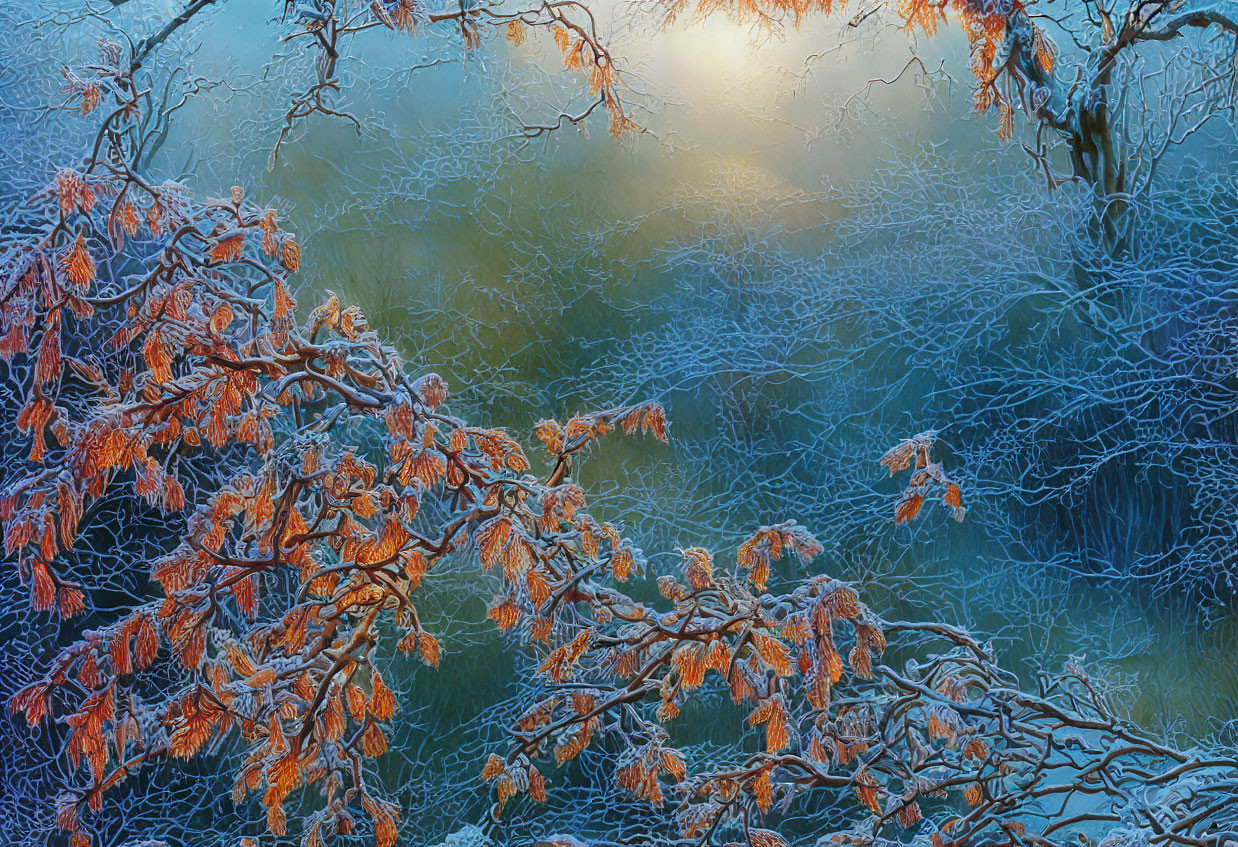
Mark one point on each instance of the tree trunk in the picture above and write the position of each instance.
(1097, 159)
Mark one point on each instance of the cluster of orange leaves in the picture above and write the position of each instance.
(578, 42)
(200, 366)
(579, 431)
(86, 89)
(782, 655)
(404, 15)
(926, 476)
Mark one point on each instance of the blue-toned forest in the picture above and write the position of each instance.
(584, 423)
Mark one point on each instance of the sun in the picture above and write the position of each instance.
(718, 52)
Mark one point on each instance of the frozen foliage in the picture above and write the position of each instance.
(243, 536)
(1087, 396)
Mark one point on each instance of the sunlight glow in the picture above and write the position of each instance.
(720, 52)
